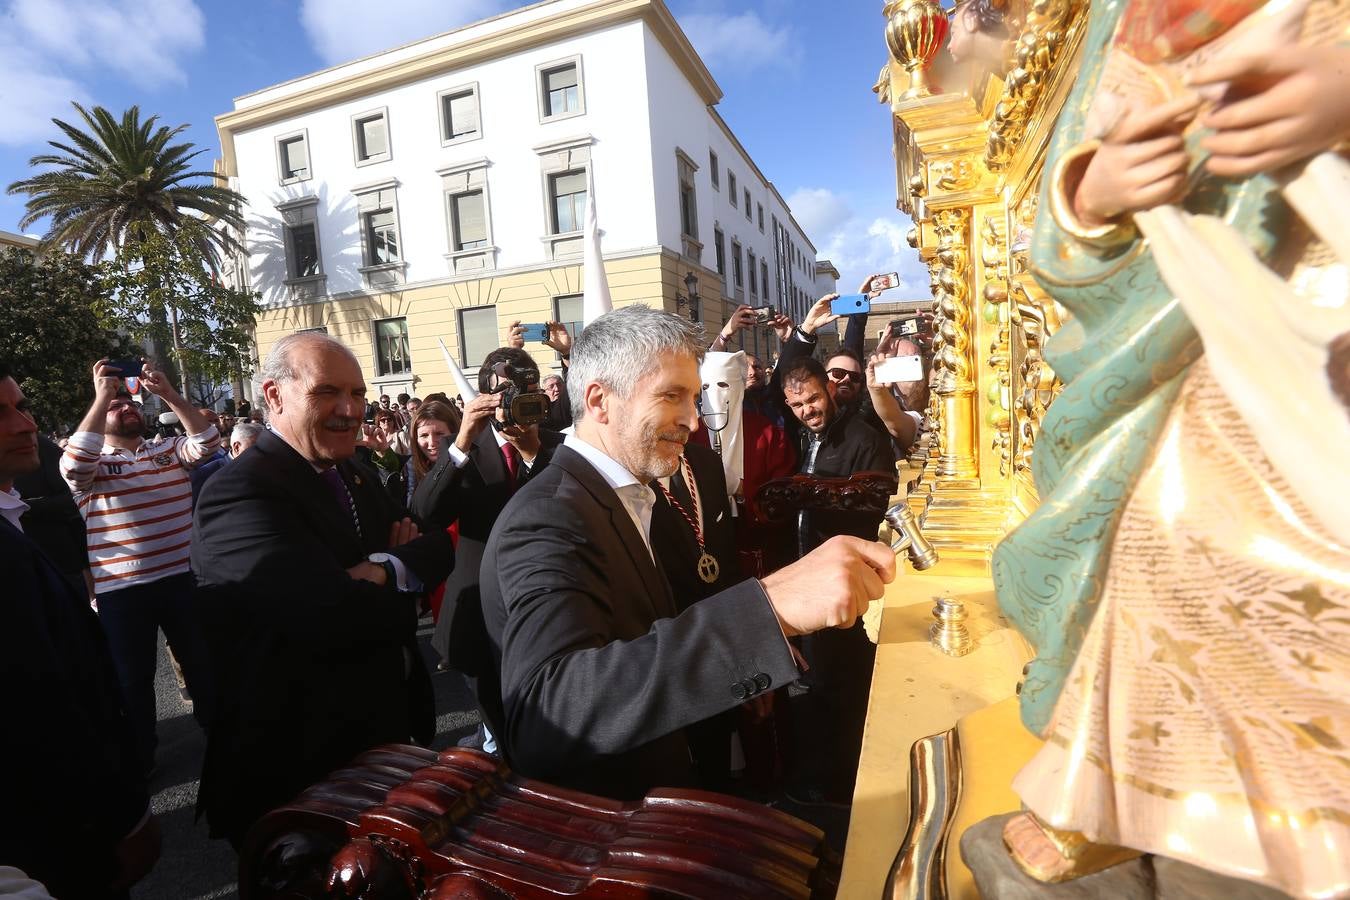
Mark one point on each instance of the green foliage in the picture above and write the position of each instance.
(50, 333)
(121, 180)
(157, 279)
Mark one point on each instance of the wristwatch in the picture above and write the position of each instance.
(385, 561)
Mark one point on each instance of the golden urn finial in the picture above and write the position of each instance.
(915, 33)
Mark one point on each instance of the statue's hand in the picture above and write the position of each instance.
(1277, 109)
(1140, 164)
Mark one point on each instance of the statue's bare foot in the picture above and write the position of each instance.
(1050, 855)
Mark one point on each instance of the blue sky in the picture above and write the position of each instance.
(796, 74)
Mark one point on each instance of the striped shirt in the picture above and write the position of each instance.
(137, 505)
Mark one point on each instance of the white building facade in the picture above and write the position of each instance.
(437, 190)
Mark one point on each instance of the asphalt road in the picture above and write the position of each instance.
(194, 867)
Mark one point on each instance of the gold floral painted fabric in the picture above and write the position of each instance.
(1207, 716)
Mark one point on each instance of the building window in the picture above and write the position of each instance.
(690, 245)
(460, 120)
(567, 311)
(747, 203)
(381, 246)
(381, 229)
(567, 197)
(477, 335)
(760, 209)
(719, 246)
(304, 256)
(302, 251)
(468, 221)
(370, 137)
(731, 188)
(561, 93)
(293, 157)
(764, 278)
(714, 171)
(391, 347)
(737, 278)
(754, 278)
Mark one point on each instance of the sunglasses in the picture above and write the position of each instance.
(845, 375)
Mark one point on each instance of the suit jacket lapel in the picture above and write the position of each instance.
(487, 456)
(313, 497)
(661, 602)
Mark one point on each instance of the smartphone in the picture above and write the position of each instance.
(884, 282)
(850, 305)
(763, 314)
(126, 368)
(900, 368)
(536, 332)
(904, 327)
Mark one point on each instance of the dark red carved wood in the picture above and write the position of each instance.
(870, 491)
(404, 822)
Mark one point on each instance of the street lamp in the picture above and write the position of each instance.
(690, 296)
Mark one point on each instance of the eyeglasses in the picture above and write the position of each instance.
(845, 375)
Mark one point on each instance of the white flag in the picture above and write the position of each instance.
(595, 300)
(466, 390)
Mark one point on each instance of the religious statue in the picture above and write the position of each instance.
(979, 35)
(1185, 580)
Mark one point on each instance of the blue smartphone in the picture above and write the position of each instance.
(536, 333)
(850, 305)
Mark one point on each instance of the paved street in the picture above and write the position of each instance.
(193, 867)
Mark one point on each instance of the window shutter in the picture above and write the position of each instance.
(558, 79)
(374, 139)
(297, 157)
(470, 223)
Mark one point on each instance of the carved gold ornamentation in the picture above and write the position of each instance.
(952, 301)
(953, 365)
(1034, 55)
(994, 259)
(959, 174)
(915, 32)
(1039, 385)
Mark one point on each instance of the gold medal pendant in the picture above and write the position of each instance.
(708, 568)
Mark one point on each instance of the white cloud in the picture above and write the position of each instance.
(343, 30)
(141, 40)
(31, 93)
(857, 246)
(819, 210)
(50, 48)
(740, 42)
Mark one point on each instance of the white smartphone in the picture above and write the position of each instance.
(900, 368)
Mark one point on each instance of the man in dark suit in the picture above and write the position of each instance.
(474, 477)
(308, 577)
(601, 672)
(76, 811)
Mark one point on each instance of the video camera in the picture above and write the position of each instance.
(522, 402)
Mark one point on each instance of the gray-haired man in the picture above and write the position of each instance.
(600, 675)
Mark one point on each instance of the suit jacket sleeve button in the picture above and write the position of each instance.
(762, 681)
(738, 690)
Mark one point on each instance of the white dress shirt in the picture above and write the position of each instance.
(11, 507)
(637, 499)
(459, 458)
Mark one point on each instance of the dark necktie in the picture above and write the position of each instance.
(333, 478)
(512, 462)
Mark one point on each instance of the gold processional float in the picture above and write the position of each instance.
(1129, 673)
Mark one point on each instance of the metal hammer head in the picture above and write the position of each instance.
(909, 538)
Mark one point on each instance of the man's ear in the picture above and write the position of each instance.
(598, 401)
(272, 396)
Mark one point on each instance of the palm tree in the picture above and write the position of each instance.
(118, 179)
(120, 183)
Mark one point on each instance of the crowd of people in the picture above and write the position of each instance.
(596, 567)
